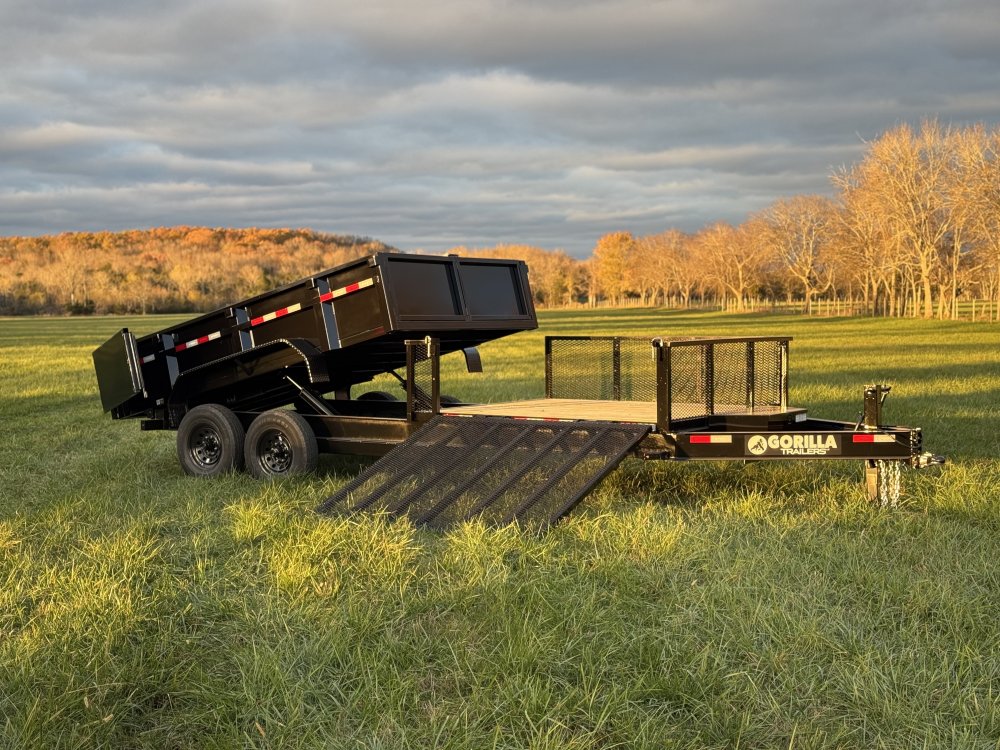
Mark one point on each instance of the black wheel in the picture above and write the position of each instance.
(280, 443)
(377, 396)
(450, 400)
(210, 441)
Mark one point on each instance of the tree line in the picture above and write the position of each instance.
(176, 269)
(912, 228)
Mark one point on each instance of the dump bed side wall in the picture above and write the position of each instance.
(356, 316)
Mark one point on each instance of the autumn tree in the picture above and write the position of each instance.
(904, 173)
(610, 265)
(731, 258)
(798, 234)
(982, 172)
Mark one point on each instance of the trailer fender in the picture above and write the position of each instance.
(275, 356)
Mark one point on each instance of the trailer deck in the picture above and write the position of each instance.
(627, 412)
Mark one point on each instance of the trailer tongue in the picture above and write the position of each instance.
(224, 382)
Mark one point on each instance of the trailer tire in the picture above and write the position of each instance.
(210, 441)
(447, 400)
(280, 443)
(377, 396)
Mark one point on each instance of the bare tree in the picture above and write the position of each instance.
(732, 259)
(798, 233)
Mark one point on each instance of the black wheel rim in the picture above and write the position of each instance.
(205, 447)
(274, 454)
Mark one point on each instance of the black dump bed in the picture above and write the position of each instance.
(333, 330)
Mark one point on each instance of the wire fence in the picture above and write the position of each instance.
(973, 310)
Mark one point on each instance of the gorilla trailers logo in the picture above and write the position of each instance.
(793, 445)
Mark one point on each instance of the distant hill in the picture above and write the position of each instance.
(170, 269)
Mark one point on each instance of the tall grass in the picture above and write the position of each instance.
(682, 606)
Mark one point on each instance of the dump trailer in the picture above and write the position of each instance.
(225, 382)
(222, 379)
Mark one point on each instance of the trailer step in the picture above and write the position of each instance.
(500, 469)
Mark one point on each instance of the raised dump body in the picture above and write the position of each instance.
(326, 333)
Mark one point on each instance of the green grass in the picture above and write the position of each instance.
(681, 606)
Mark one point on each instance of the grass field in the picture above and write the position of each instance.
(681, 606)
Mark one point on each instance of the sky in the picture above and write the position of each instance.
(430, 125)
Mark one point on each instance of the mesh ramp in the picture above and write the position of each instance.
(501, 469)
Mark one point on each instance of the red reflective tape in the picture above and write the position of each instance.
(711, 438)
(200, 340)
(326, 297)
(276, 314)
(351, 288)
(870, 438)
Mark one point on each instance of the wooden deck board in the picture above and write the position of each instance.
(639, 412)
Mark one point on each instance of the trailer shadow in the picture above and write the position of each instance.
(695, 486)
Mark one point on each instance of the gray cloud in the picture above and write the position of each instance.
(463, 122)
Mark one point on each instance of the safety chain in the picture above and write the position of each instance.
(890, 482)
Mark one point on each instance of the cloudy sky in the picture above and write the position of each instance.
(429, 125)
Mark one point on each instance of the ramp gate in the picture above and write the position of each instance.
(503, 470)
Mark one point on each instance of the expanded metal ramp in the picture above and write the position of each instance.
(501, 469)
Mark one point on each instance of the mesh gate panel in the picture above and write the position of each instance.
(638, 370)
(729, 378)
(707, 376)
(424, 358)
(768, 383)
(581, 368)
(503, 470)
(601, 368)
(688, 382)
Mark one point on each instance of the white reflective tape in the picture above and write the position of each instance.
(200, 340)
(363, 284)
(276, 314)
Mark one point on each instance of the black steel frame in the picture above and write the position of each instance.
(715, 437)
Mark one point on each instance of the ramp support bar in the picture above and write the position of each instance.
(498, 455)
(416, 457)
(560, 433)
(553, 478)
(443, 470)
